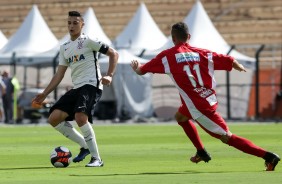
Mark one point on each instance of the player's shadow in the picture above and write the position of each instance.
(24, 168)
(145, 173)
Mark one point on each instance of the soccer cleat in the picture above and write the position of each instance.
(271, 161)
(201, 155)
(82, 154)
(94, 162)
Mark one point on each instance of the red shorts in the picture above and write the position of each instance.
(211, 121)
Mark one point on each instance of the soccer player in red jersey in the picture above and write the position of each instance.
(192, 71)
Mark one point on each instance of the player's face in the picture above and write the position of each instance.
(75, 25)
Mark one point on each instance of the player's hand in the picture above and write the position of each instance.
(38, 99)
(135, 65)
(238, 66)
(241, 68)
(106, 80)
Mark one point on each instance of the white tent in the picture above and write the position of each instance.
(131, 92)
(203, 35)
(3, 40)
(33, 37)
(140, 33)
(93, 28)
(209, 38)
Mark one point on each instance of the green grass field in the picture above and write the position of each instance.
(137, 154)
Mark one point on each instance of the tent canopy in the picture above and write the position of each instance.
(3, 40)
(203, 35)
(209, 38)
(93, 28)
(140, 33)
(37, 38)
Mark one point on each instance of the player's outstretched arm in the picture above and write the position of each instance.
(238, 66)
(135, 65)
(55, 81)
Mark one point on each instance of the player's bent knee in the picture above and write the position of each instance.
(53, 121)
(57, 117)
(81, 118)
(225, 138)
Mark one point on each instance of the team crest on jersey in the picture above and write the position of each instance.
(80, 44)
(187, 57)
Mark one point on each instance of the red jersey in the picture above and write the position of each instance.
(192, 71)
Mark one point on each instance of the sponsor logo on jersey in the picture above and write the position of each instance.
(75, 58)
(187, 57)
(203, 92)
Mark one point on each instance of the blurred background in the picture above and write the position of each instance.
(251, 31)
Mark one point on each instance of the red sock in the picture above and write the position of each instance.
(246, 146)
(191, 131)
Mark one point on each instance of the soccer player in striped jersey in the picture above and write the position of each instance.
(80, 54)
(192, 71)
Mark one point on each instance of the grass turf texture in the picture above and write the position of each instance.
(137, 154)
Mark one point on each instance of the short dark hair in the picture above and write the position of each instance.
(74, 14)
(180, 30)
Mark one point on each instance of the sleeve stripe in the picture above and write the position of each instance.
(166, 65)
